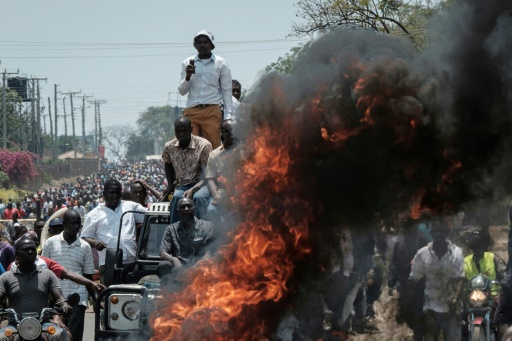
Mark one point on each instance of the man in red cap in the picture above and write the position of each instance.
(206, 78)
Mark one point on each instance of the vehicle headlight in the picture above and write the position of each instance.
(131, 310)
(123, 313)
(477, 298)
(29, 328)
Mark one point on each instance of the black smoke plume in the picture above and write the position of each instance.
(365, 126)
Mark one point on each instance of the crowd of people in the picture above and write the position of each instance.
(424, 264)
(85, 192)
(76, 221)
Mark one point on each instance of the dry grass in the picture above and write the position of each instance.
(13, 193)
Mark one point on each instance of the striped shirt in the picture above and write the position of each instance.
(76, 257)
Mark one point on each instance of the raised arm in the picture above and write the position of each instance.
(82, 280)
(153, 191)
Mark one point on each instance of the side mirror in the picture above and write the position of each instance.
(73, 299)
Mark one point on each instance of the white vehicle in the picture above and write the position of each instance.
(123, 309)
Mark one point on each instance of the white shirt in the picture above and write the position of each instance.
(210, 83)
(76, 257)
(46, 206)
(233, 115)
(102, 224)
(438, 273)
(80, 210)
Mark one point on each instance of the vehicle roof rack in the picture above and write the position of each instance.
(159, 208)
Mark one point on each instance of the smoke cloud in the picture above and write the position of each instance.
(366, 126)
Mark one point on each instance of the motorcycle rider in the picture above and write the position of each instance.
(37, 286)
(480, 261)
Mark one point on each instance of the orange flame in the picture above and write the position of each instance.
(417, 208)
(369, 101)
(226, 293)
(340, 135)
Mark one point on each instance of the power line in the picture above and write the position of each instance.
(234, 42)
(135, 56)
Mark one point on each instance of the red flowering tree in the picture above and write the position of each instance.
(18, 165)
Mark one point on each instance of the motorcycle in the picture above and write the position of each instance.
(31, 325)
(480, 309)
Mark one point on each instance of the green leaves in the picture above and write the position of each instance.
(398, 17)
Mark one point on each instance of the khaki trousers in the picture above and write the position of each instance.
(206, 123)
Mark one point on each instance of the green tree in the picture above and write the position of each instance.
(18, 120)
(157, 122)
(65, 143)
(285, 64)
(138, 147)
(407, 17)
(154, 123)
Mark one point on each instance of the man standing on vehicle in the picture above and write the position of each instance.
(236, 93)
(206, 78)
(101, 226)
(75, 254)
(442, 264)
(185, 241)
(186, 158)
(37, 286)
(216, 169)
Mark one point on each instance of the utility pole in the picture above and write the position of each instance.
(97, 123)
(83, 124)
(100, 131)
(65, 117)
(35, 121)
(21, 127)
(72, 118)
(39, 142)
(56, 140)
(95, 128)
(51, 126)
(4, 108)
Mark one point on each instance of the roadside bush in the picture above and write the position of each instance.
(19, 166)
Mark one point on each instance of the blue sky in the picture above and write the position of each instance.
(129, 52)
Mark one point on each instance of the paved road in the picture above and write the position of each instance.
(89, 325)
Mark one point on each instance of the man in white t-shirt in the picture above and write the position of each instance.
(101, 226)
(441, 263)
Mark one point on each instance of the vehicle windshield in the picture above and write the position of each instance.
(150, 247)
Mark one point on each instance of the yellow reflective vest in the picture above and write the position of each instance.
(487, 268)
